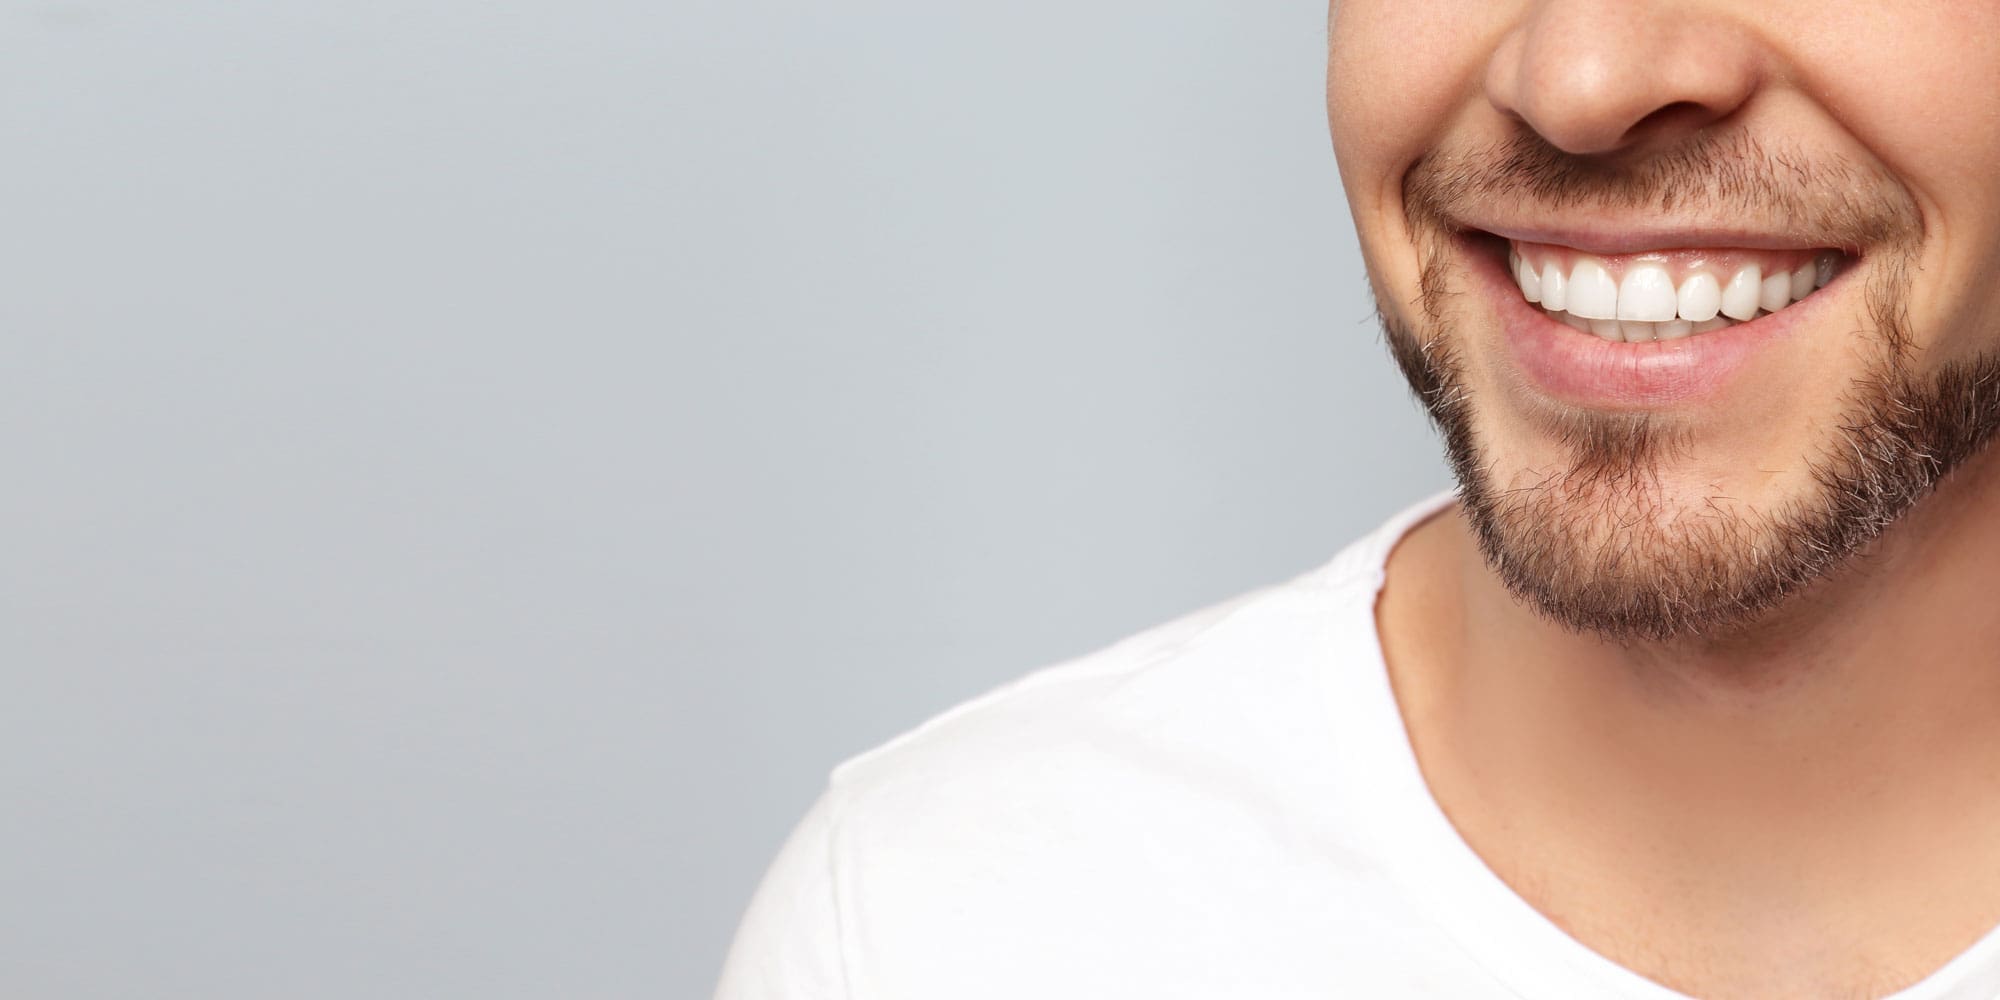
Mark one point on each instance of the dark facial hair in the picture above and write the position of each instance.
(1590, 546)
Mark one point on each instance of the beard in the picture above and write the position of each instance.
(1602, 545)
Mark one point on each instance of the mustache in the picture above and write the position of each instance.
(1823, 200)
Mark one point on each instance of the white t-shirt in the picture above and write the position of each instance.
(1225, 806)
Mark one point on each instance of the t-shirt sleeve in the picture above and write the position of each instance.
(788, 946)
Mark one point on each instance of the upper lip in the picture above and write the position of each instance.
(1639, 235)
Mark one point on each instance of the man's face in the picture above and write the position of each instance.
(1773, 232)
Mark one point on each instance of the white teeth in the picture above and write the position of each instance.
(1530, 282)
(1646, 295)
(1776, 293)
(1802, 282)
(1739, 298)
(1592, 293)
(1645, 305)
(1700, 298)
(1639, 331)
(1554, 287)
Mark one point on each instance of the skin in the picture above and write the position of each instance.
(1804, 808)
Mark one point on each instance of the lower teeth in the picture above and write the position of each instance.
(1632, 331)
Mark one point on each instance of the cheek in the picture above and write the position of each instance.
(1396, 74)
(1918, 84)
(1919, 80)
(1399, 73)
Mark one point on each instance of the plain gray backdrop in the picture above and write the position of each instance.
(473, 466)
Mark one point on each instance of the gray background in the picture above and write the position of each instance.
(472, 467)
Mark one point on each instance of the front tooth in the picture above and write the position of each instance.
(1530, 282)
(1739, 299)
(1700, 298)
(1776, 292)
(1710, 326)
(1592, 293)
(1575, 321)
(1554, 285)
(1802, 282)
(1674, 329)
(1646, 294)
(1607, 328)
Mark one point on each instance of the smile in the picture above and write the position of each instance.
(1666, 294)
(1627, 326)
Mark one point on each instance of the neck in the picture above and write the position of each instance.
(1847, 735)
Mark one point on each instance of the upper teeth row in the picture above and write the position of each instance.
(1647, 292)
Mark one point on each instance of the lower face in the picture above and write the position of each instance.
(1669, 437)
(1657, 477)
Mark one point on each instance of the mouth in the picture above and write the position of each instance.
(1665, 294)
(1645, 327)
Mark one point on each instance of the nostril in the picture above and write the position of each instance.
(1676, 118)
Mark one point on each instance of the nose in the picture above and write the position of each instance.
(1608, 76)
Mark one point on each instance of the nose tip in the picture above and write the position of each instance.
(1603, 76)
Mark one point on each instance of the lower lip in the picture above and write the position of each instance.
(1587, 370)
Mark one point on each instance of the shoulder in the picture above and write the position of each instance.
(1217, 675)
(1085, 792)
(1059, 708)
(1227, 700)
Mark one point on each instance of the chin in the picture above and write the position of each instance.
(1658, 525)
(1632, 533)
